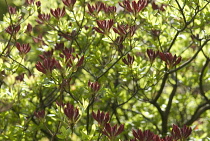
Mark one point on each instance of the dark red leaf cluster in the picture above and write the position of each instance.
(38, 3)
(169, 59)
(177, 134)
(146, 135)
(94, 86)
(104, 26)
(70, 57)
(112, 131)
(95, 9)
(72, 113)
(59, 46)
(43, 18)
(101, 117)
(13, 29)
(20, 77)
(47, 65)
(152, 54)
(23, 48)
(109, 9)
(133, 7)
(69, 4)
(40, 114)
(158, 7)
(12, 10)
(181, 133)
(100, 6)
(125, 30)
(58, 13)
(129, 60)
(29, 28)
(29, 2)
(47, 54)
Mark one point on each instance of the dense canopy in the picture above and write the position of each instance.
(105, 70)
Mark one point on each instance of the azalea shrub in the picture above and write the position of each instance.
(105, 70)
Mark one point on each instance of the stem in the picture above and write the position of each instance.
(200, 110)
(88, 113)
(201, 80)
(114, 107)
(29, 72)
(168, 108)
(189, 61)
(161, 87)
(197, 10)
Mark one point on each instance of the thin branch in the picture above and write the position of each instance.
(114, 108)
(128, 99)
(197, 10)
(161, 87)
(20, 64)
(181, 11)
(109, 68)
(201, 80)
(189, 61)
(10, 16)
(157, 106)
(205, 55)
(167, 111)
(42, 130)
(200, 110)
(76, 99)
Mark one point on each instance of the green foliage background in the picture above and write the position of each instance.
(127, 93)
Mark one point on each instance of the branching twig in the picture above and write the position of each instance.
(200, 110)
(189, 61)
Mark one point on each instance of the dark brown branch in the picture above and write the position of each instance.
(133, 95)
(161, 88)
(171, 98)
(109, 68)
(201, 80)
(200, 110)
(157, 106)
(72, 96)
(29, 72)
(114, 108)
(197, 10)
(205, 55)
(42, 130)
(181, 11)
(168, 108)
(189, 61)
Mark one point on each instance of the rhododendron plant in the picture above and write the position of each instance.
(99, 70)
